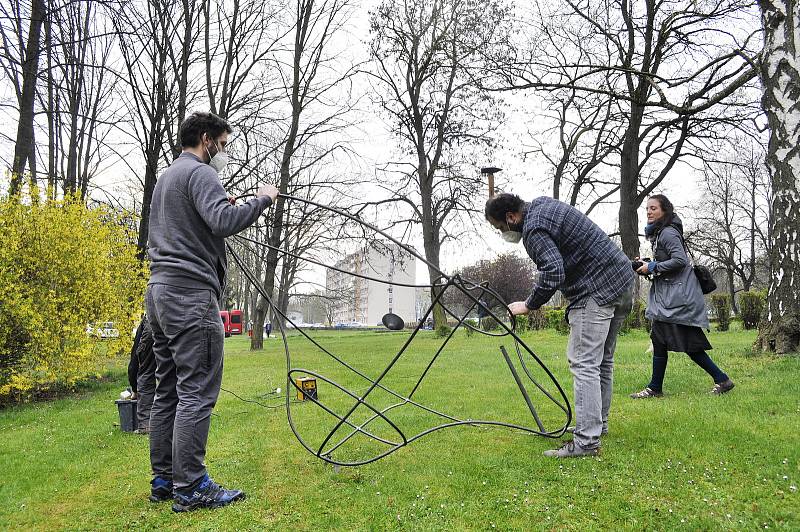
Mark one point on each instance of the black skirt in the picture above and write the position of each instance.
(679, 338)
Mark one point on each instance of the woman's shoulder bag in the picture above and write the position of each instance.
(703, 274)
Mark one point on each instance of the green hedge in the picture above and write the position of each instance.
(556, 320)
(537, 320)
(636, 319)
(722, 309)
(467, 330)
(443, 331)
(489, 324)
(751, 306)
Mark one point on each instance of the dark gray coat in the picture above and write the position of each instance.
(675, 294)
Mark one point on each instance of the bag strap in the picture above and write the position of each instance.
(683, 242)
(686, 248)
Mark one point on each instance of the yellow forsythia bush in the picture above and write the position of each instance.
(63, 266)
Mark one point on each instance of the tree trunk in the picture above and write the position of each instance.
(257, 340)
(256, 343)
(30, 67)
(150, 176)
(629, 185)
(732, 291)
(780, 79)
(71, 179)
(276, 231)
(430, 232)
(51, 111)
(182, 73)
(257, 310)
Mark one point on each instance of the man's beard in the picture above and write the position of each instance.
(516, 227)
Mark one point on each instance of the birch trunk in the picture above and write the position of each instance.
(780, 78)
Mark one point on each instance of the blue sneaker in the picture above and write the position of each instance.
(160, 490)
(207, 494)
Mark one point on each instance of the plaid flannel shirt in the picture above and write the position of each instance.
(573, 255)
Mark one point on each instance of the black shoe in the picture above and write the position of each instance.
(207, 494)
(160, 490)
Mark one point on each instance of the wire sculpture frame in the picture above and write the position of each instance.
(325, 449)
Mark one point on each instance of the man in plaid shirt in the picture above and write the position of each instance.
(575, 256)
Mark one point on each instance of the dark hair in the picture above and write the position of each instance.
(665, 204)
(192, 129)
(668, 208)
(498, 206)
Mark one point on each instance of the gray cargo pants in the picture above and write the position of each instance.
(188, 341)
(590, 351)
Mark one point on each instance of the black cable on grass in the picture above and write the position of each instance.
(325, 449)
(262, 405)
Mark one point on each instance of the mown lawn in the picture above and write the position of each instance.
(689, 461)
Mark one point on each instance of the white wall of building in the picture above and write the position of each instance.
(366, 301)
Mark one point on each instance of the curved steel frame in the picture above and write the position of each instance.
(327, 447)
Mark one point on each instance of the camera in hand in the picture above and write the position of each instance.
(636, 264)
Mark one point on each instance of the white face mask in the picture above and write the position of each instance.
(512, 237)
(218, 161)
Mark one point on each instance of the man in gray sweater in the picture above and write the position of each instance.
(190, 216)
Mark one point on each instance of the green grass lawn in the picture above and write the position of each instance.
(687, 461)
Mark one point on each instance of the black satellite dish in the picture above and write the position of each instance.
(393, 322)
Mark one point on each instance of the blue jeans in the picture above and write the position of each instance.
(590, 351)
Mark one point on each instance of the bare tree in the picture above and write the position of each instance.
(25, 142)
(780, 80)
(316, 94)
(20, 62)
(314, 306)
(509, 275)
(321, 305)
(146, 35)
(80, 87)
(424, 54)
(581, 158)
(665, 65)
(71, 82)
(182, 55)
(732, 217)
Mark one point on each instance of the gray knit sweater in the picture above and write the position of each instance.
(190, 216)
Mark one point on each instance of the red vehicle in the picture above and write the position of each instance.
(226, 321)
(236, 322)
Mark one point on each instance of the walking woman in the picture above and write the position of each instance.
(676, 305)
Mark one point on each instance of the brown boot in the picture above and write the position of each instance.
(722, 387)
